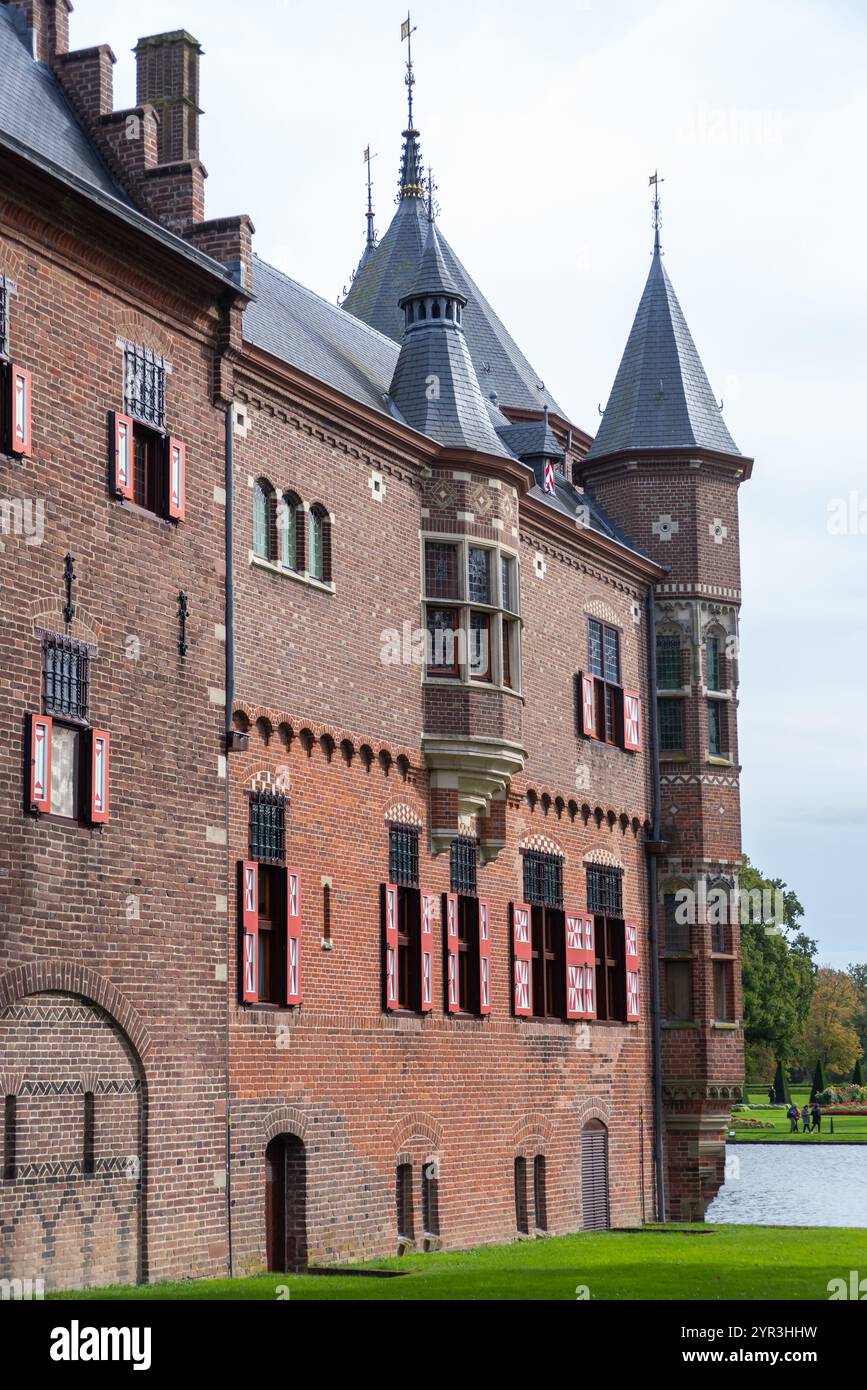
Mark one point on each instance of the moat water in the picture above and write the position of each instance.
(786, 1185)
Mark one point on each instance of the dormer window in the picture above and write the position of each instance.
(422, 312)
(436, 312)
(408, 314)
(450, 309)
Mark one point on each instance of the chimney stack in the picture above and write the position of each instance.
(167, 78)
(48, 23)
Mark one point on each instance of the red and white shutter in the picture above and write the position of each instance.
(587, 692)
(177, 478)
(522, 954)
(100, 750)
(250, 931)
(580, 966)
(450, 913)
(549, 476)
(293, 937)
(389, 927)
(21, 410)
(633, 972)
(427, 950)
(589, 955)
(484, 956)
(632, 722)
(40, 763)
(121, 456)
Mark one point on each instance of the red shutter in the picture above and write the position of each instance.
(450, 917)
(484, 956)
(428, 901)
(522, 954)
(587, 695)
(389, 927)
(250, 932)
(21, 410)
(580, 966)
(632, 730)
(177, 477)
(100, 749)
(40, 762)
(633, 972)
(121, 456)
(293, 937)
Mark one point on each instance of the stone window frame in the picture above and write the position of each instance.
(499, 615)
(281, 503)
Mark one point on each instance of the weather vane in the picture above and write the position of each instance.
(371, 231)
(433, 207)
(654, 181)
(407, 29)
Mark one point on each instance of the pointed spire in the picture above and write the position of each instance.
(433, 276)
(371, 230)
(410, 183)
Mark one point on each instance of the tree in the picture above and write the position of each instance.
(858, 975)
(778, 971)
(819, 1082)
(829, 1031)
(858, 1074)
(781, 1086)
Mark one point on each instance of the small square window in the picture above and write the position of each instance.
(464, 861)
(145, 386)
(403, 855)
(65, 676)
(65, 771)
(268, 827)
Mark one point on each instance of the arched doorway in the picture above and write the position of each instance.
(286, 1203)
(594, 1176)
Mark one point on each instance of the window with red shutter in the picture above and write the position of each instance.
(632, 721)
(522, 950)
(121, 457)
(484, 956)
(633, 971)
(580, 966)
(176, 452)
(21, 410)
(249, 893)
(293, 936)
(390, 945)
(40, 763)
(427, 946)
(586, 705)
(100, 746)
(453, 952)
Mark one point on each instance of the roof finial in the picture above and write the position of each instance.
(371, 230)
(433, 206)
(409, 184)
(654, 181)
(407, 29)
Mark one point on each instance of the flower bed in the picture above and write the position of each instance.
(851, 1096)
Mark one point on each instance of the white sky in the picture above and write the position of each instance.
(542, 123)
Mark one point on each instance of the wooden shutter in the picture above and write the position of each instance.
(580, 966)
(250, 931)
(594, 1177)
(389, 952)
(21, 410)
(100, 748)
(293, 937)
(450, 917)
(632, 722)
(522, 954)
(484, 956)
(633, 972)
(589, 967)
(177, 478)
(587, 705)
(121, 456)
(427, 945)
(40, 763)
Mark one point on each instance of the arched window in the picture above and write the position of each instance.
(436, 312)
(319, 557)
(290, 531)
(264, 520)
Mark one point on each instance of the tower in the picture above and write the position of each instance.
(664, 465)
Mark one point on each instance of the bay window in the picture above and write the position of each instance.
(471, 607)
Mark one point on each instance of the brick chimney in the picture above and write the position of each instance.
(48, 23)
(167, 78)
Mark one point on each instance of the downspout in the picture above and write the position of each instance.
(652, 848)
(230, 702)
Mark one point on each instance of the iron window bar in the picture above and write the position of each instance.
(403, 855)
(268, 827)
(65, 676)
(543, 878)
(464, 861)
(145, 385)
(605, 890)
(4, 316)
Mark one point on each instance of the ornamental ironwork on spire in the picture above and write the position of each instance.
(410, 183)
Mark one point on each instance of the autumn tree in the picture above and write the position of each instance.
(778, 972)
(830, 1032)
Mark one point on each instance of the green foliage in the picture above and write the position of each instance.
(781, 1086)
(778, 972)
(858, 1074)
(819, 1082)
(843, 1095)
(829, 1031)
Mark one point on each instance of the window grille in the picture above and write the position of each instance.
(403, 855)
(145, 385)
(543, 878)
(268, 827)
(605, 890)
(65, 676)
(464, 857)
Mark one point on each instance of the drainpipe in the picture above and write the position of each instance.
(653, 848)
(230, 701)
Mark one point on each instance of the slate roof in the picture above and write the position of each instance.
(661, 397)
(531, 439)
(385, 276)
(433, 275)
(35, 111)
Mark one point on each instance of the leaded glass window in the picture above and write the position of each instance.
(479, 575)
(668, 667)
(670, 725)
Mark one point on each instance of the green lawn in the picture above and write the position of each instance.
(848, 1129)
(758, 1095)
(676, 1262)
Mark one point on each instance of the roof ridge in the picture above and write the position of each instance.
(335, 308)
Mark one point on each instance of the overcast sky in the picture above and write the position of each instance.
(542, 122)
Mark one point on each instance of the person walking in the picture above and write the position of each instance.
(805, 1116)
(817, 1117)
(772, 1096)
(792, 1113)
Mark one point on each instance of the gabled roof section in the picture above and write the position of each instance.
(661, 397)
(386, 275)
(35, 112)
